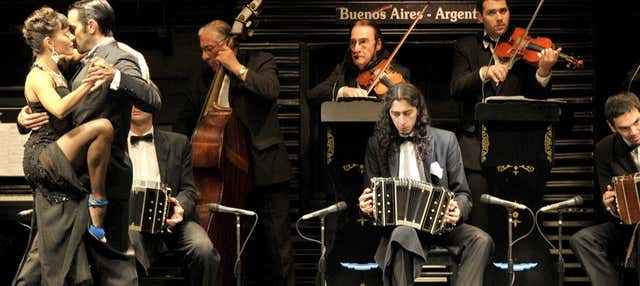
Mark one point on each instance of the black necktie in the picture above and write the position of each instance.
(135, 139)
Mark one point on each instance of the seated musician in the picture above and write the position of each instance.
(163, 156)
(404, 145)
(600, 248)
(366, 50)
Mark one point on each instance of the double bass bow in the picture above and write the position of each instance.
(220, 157)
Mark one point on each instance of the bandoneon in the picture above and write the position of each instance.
(149, 206)
(627, 199)
(411, 203)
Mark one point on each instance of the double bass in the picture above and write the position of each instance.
(220, 157)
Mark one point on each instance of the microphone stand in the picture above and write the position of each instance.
(238, 270)
(322, 261)
(510, 273)
(560, 258)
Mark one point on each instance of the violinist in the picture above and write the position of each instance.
(478, 73)
(366, 51)
(251, 89)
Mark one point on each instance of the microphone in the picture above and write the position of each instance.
(339, 206)
(577, 200)
(489, 199)
(216, 208)
(25, 212)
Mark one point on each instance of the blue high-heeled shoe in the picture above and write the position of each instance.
(97, 232)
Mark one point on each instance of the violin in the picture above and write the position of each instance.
(521, 45)
(382, 76)
(388, 78)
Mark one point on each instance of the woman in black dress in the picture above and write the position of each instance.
(57, 152)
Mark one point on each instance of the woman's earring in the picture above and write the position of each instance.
(54, 55)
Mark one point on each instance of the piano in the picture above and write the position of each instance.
(15, 193)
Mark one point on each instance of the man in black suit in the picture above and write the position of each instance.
(366, 51)
(600, 248)
(478, 73)
(251, 89)
(91, 22)
(165, 157)
(404, 145)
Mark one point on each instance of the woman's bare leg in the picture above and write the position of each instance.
(91, 140)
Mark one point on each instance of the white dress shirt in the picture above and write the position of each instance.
(408, 166)
(144, 160)
(223, 98)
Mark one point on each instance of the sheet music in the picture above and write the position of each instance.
(500, 98)
(11, 150)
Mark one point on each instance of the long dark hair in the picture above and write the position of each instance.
(387, 134)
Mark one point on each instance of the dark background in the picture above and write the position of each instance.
(307, 43)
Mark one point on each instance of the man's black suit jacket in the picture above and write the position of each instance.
(469, 56)
(443, 149)
(254, 103)
(115, 105)
(344, 74)
(174, 162)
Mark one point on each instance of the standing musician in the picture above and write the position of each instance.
(366, 51)
(404, 145)
(478, 73)
(251, 89)
(600, 248)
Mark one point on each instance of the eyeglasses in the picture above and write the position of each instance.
(211, 48)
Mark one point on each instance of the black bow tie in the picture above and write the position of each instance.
(410, 138)
(135, 139)
(489, 40)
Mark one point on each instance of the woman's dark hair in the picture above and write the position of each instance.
(387, 134)
(42, 23)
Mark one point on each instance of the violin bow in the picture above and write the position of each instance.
(395, 51)
(521, 42)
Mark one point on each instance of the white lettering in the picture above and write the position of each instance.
(440, 14)
(455, 16)
(345, 14)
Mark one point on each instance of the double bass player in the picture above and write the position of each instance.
(251, 89)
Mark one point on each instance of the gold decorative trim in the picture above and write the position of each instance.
(548, 143)
(330, 145)
(516, 168)
(349, 167)
(516, 221)
(485, 144)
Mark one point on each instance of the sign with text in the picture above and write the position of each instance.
(398, 13)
